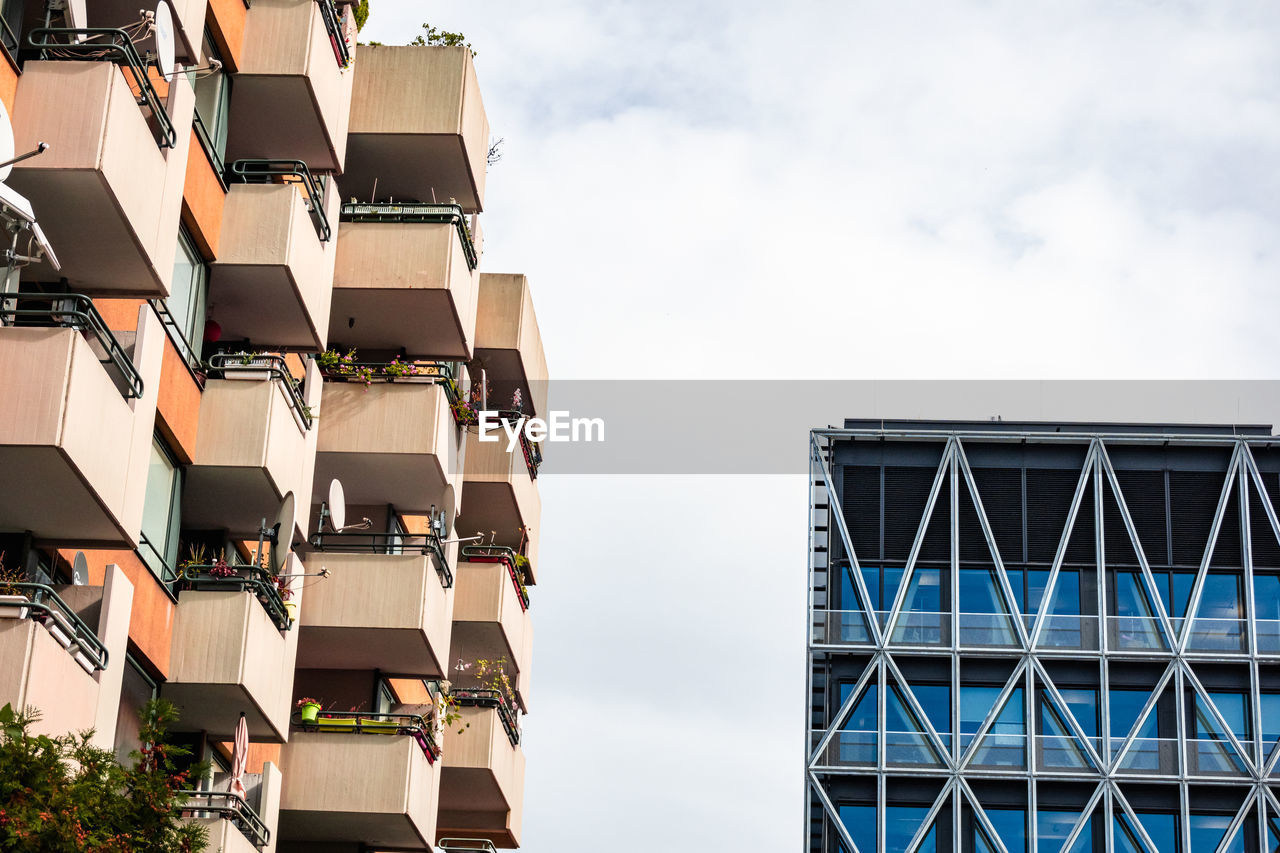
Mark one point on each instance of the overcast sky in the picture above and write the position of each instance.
(828, 190)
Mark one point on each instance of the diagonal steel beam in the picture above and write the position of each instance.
(1050, 587)
(1193, 604)
(905, 584)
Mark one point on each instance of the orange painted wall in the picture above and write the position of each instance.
(8, 82)
(120, 315)
(226, 22)
(178, 405)
(151, 621)
(202, 200)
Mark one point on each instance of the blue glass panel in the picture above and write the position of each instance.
(1162, 828)
(1220, 598)
(1052, 828)
(930, 842)
(1207, 830)
(904, 739)
(935, 699)
(863, 717)
(1266, 596)
(1126, 838)
(979, 592)
(892, 580)
(1011, 826)
(1004, 745)
(1234, 708)
(1270, 717)
(925, 593)
(1082, 702)
(1017, 584)
(1181, 593)
(860, 821)
(848, 595)
(1066, 592)
(1125, 707)
(900, 825)
(975, 703)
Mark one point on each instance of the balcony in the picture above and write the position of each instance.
(490, 614)
(428, 142)
(356, 777)
(292, 96)
(254, 444)
(405, 278)
(508, 343)
(384, 611)
(234, 825)
(389, 434)
(108, 192)
(82, 441)
(232, 651)
(499, 495)
(482, 785)
(271, 281)
(49, 656)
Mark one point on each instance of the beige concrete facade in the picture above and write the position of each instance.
(370, 619)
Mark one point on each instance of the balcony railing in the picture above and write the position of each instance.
(284, 172)
(74, 311)
(499, 554)
(465, 845)
(364, 723)
(484, 697)
(444, 214)
(333, 26)
(254, 579)
(47, 607)
(426, 544)
(531, 449)
(228, 806)
(111, 45)
(263, 367)
(344, 368)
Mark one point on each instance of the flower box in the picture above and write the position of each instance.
(14, 606)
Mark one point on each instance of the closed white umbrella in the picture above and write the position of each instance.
(240, 757)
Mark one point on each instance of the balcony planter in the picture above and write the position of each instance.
(308, 712)
(14, 606)
(291, 607)
(245, 374)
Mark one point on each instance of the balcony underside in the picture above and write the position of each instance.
(279, 119)
(381, 831)
(423, 322)
(411, 482)
(238, 499)
(484, 641)
(215, 709)
(430, 168)
(95, 243)
(47, 496)
(263, 304)
(472, 805)
(405, 651)
(491, 506)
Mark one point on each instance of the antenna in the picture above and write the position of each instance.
(79, 569)
(166, 46)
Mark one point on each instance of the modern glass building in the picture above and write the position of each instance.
(1050, 638)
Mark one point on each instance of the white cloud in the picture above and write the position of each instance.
(845, 190)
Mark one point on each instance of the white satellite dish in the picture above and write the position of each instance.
(79, 569)
(6, 142)
(450, 510)
(283, 534)
(166, 44)
(49, 257)
(337, 507)
(76, 16)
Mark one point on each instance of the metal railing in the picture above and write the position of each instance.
(444, 214)
(368, 372)
(426, 544)
(333, 26)
(465, 845)
(532, 451)
(278, 172)
(252, 579)
(45, 606)
(8, 37)
(230, 364)
(177, 336)
(210, 149)
(74, 311)
(499, 554)
(114, 45)
(367, 723)
(485, 697)
(230, 807)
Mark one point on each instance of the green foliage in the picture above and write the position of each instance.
(440, 38)
(362, 14)
(65, 795)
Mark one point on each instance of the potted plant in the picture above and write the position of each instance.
(251, 360)
(308, 709)
(13, 604)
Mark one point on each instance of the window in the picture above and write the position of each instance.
(189, 297)
(161, 513)
(213, 103)
(137, 688)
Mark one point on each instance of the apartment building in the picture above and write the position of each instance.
(1040, 637)
(242, 356)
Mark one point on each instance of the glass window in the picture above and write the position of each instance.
(189, 296)
(901, 824)
(935, 700)
(1161, 828)
(1126, 705)
(1011, 826)
(1082, 702)
(1270, 720)
(1208, 830)
(161, 512)
(860, 821)
(213, 101)
(1053, 827)
(1234, 708)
